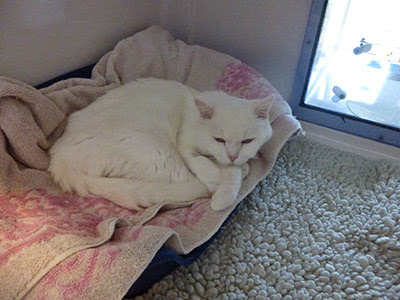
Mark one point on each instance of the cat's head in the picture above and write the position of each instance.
(230, 129)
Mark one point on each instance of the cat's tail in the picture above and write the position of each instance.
(135, 194)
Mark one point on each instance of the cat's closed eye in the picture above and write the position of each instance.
(247, 141)
(219, 140)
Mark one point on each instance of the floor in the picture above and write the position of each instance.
(351, 143)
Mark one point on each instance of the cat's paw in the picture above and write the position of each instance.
(211, 186)
(245, 170)
(211, 179)
(222, 199)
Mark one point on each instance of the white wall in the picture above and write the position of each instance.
(42, 39)
(266, 34)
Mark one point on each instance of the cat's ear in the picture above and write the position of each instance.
(206, 111)
(263, 106)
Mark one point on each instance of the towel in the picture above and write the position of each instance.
(55, 245)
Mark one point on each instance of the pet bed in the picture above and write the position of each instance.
(55, 245)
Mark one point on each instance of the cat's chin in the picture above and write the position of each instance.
(229, 164)
(226, 163)
(240, 163)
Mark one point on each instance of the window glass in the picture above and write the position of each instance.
(356, 68)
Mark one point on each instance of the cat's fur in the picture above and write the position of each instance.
(154, 140)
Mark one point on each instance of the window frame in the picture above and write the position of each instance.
(319, 116)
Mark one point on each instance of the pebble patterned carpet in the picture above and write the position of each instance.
(324, 224)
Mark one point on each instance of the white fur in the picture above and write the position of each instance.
(153, 141)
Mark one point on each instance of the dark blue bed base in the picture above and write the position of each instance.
(165, 260)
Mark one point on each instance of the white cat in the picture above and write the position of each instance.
(153, 141)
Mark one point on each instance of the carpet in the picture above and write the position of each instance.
(324, 224)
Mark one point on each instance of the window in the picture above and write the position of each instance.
(348, 77)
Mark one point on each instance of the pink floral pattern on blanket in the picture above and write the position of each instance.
(86, 265)
(241, 80)
(37, 216)
(82, 265)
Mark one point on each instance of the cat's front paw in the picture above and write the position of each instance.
(245, 170)
(211, 186)
(210, 178)
(222, 199)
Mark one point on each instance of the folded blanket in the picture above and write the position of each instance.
(60, 246)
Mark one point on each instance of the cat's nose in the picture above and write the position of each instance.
(232, 157)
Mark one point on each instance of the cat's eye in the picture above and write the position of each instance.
(247, 141)
(219, 140)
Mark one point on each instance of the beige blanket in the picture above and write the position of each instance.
(61, 246)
